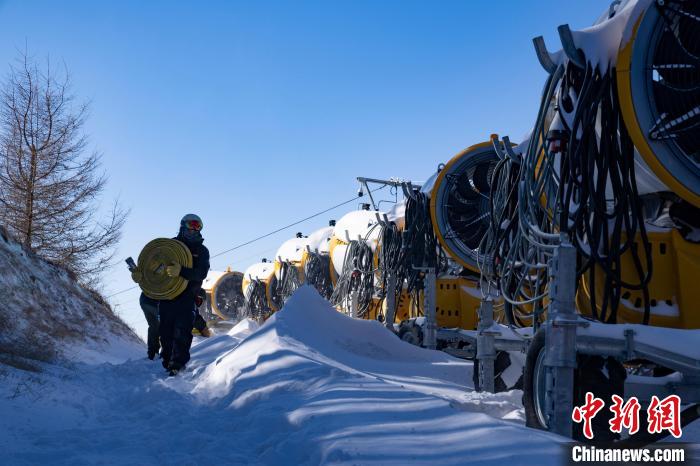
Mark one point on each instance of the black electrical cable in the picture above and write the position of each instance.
(600, 158)
(357, 276)
(286, 285)
(402, 254)
(256, 305)
(317, 273)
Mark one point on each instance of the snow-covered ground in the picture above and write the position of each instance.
(310, 386)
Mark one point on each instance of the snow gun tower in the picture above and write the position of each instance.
(593, 230)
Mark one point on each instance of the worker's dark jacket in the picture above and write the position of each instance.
(177, 315)
(200, 267)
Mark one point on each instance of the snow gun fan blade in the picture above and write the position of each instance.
(460, 202)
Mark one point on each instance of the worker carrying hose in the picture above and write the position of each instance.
(176, 316)
(149, 307)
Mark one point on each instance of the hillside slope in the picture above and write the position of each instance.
(46, 316)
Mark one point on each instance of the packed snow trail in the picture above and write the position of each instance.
(311, 386)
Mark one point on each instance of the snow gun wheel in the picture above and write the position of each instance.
(501, 364)
(604, 377)
(153, 260)
(411, 333)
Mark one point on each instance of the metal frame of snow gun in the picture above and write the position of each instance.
(570, 354)
(554, 353)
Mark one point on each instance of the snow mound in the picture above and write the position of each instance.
(49, 317)
(325, 388)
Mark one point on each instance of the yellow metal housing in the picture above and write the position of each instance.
(213, 288)
(673, 290)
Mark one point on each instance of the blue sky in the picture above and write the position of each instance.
(256, 114)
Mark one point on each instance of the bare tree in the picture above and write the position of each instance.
(50, 183)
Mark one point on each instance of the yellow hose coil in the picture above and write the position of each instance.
(154, 258)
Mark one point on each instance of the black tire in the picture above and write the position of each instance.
(501, 363)
(589, 376)
(411, 333)
(531, 386)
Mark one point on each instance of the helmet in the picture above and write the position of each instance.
(191, 222)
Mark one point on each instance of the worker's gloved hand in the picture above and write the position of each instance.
(137, 275)
(173, 270)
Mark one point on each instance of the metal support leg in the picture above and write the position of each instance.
(390, 314)
(430, 336)
(486, 347)
(354, 303)
(560, 341)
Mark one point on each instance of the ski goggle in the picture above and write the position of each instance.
(195, 225)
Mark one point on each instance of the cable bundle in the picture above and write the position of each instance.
(357, 275)
(286, 285)
(596, 162)
(402, 253)
(576, 179)
(391, 260)
(256, 305)
(317, 273)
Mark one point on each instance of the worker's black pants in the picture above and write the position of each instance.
(176, 317)
(150, 311)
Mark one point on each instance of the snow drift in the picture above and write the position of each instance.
(48, 317)
(310, 386)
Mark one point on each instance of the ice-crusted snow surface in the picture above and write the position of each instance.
(311, 386)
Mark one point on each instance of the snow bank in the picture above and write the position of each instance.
(47, 316)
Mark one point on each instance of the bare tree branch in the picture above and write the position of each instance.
(50, 187)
